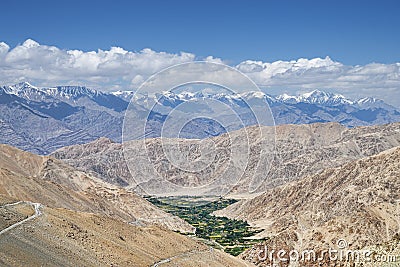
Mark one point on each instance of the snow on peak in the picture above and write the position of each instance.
(25, 90)
(367, 100)
(23, 85)
(288, 98)
(254, 94)
(122, 93)
(76, 91)
(28, 91)
(19, 88)
(189, 95)
(371, 103)
(315, 97)
(118, 93)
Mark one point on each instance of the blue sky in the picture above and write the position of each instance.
(351, 32)
(347, 47)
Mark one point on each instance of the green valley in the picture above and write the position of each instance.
(233, 236)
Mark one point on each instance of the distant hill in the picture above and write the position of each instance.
(270, 157)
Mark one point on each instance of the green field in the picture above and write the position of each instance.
(230, 235)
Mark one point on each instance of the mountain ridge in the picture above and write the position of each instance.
(41, 120)
(46, 180)
(312, 97)
(297, 150)
(357, 202)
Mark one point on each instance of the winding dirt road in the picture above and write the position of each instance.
(38, 212)
(184, 254)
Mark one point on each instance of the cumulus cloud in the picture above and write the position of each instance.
(375, 80)
(118, 68)
(49, 65)
(3, 49)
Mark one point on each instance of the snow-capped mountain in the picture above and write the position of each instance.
(315, 97)
(43, 119)
(330, 99)
(72, 95)
(311, 107)
(125, 95)
(289, 99)
(320, 98)
(72, 92)
(18, 88)
(371, 102)
(30, 92)
(25, 90)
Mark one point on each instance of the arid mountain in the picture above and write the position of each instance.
(45, 180)
(358, 202)
(53, 215)
(277, 155)
(102, 157)
(61, 237)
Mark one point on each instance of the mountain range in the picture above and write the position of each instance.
(324, 183)
(335, 176)
(42, 120)
(275, 155)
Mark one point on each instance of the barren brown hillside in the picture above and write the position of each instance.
(277, 155)
(29, 177)
(53, 215)
(60, 237)
(358, 202)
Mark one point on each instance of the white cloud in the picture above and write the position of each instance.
(48, 65)
(118, 68)
(214, 60)
(3, 49)
(375, 80)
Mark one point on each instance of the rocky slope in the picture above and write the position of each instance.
(29, 177)
(358, 202)
(62, 237)
(277, 155)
